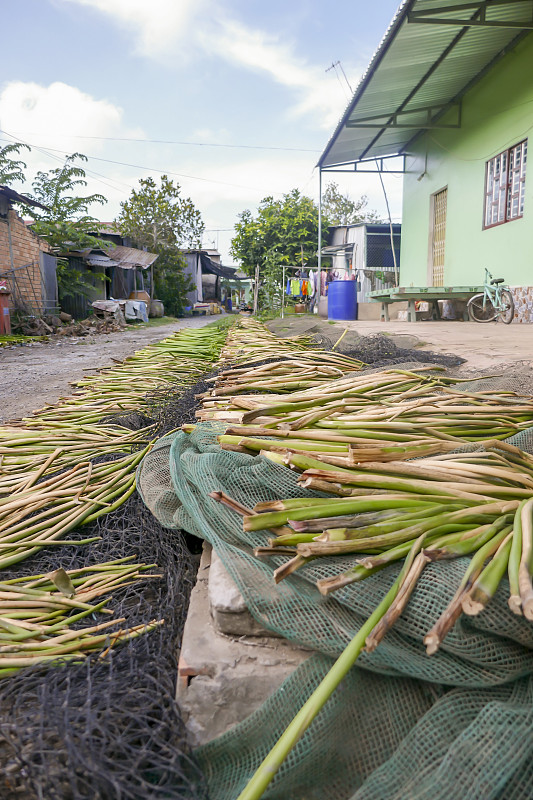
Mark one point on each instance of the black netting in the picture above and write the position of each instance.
(381, 350)
(107, 728)
(171, 409)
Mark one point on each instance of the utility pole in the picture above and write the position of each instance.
(256, 288)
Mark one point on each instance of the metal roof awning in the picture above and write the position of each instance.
(433, 52)
(333, 249)
(15, 197)
(116, 256)
(97, 260)
(208, 265)
(130, 257)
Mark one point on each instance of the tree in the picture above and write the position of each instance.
(340, 209)
(11, 169)
(160, 219)
(283, 232)
(67, 224)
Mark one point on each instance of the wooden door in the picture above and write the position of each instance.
(438, 238)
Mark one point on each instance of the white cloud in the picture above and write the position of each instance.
(164, 29)
(254, 49)
(58, 112)
(157, 25)
(57, 119)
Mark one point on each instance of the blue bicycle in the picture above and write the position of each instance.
(495, 304)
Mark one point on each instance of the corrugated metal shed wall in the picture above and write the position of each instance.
(78, 305)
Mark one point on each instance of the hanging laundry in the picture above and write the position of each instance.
(295, 287)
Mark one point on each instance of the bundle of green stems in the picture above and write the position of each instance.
(28, 456)
(251, 342)
(477, 505)
(393, 405)
(39, 614)
(9, 339)
(283, 375)
(40, 514)
(412, 470)
(49, 484)
(173, 363)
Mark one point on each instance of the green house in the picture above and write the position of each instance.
(448, 101)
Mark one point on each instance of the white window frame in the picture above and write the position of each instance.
(505, 182)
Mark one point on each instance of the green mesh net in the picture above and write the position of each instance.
(402, 724)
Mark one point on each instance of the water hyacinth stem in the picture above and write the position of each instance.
(526, 561)
(515, 556)
(269, 767)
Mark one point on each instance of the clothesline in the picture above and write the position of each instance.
(315, 286)
(301, 287)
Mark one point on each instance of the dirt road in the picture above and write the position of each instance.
(34, 375)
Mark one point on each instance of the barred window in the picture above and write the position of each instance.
(505, 184)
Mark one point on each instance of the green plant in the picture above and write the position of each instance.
(283, 232)
(340, 209)
(67, 225)
(12, 169)
(160, 219)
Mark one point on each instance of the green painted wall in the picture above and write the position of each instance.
(497, 113)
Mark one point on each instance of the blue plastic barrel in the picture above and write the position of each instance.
(342, 300)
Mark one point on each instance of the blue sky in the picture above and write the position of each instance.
(91, 75)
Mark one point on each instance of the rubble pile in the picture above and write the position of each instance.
(63, 324)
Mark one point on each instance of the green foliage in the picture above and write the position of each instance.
(159, 219)
(283, 232)
(67, 224)
(171, 283)
(12, 169)
(340, 209)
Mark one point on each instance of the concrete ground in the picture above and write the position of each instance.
(482, 345)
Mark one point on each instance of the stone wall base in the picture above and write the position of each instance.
(523, 303)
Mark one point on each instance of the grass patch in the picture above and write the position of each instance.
(153, 322)
(267, 316)
(223, 321)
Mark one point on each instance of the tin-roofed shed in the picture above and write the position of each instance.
(125, 270)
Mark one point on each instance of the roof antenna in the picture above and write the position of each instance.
(334, 66)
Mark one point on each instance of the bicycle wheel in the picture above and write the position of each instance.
(506, 313)
(480, 309)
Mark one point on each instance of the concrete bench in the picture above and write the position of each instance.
(412, 294)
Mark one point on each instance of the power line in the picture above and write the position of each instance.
(103, 179)
(140, 166)
(187, 144)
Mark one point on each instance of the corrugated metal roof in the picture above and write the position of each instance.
(15, 197)
(421, 69)
(101, 261)
(130, 257)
